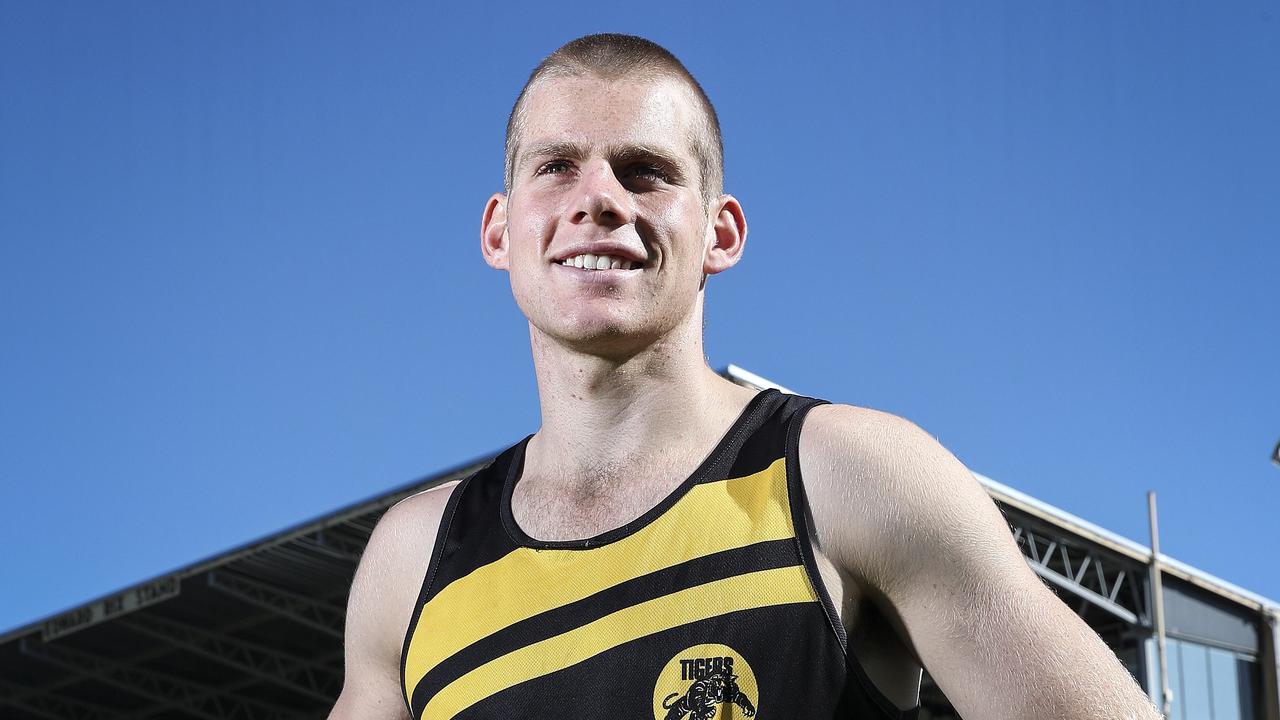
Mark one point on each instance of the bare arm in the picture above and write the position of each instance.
(382, 598)
(906, 519)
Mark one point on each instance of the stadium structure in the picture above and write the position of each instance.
(256, 632)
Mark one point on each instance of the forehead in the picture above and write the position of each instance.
(599, 112)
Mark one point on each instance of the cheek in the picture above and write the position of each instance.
(527, 232)
(667, 210)
(534, 225)
(683, 222)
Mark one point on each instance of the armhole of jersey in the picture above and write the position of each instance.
(804, 539)
(442, 533)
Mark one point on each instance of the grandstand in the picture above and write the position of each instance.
(256, 632)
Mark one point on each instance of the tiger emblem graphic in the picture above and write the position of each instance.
(703, 696)
(705, 682)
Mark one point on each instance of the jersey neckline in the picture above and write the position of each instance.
(740, 428)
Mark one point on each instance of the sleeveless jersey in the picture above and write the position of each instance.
(707, 606)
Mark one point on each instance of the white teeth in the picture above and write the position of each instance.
(589, 261)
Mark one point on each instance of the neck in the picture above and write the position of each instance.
(603, 415)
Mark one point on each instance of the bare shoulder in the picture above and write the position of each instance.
(397, 537)
(875, 480)
(393, 565)
(865, 453)
(849, 434)
(383, 595)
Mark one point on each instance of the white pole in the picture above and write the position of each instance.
(1157, 601)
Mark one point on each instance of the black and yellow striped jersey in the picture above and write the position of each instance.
(707, 606)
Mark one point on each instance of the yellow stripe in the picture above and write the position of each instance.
(764, 588)
(711, 517)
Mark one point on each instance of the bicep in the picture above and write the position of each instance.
(935, 552)
(370, 684)
(983, 623)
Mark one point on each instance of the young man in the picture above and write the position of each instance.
(650, 549)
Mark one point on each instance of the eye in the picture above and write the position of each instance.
(648, 172)
(552, 168)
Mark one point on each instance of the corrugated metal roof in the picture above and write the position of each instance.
(1119, 543)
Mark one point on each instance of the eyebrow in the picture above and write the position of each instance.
(617, 154)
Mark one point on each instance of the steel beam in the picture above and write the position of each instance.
(297, 674)
(334, 544)
(1090, 575)
(1084, 593)
(191, 697)
(52, 707)
(149, 655)
(229, 688)
(307, 611)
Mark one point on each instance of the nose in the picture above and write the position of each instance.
(601, 199)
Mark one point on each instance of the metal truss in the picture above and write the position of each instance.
(50, 706)
(1095, 577)
(303, 676)
(227, 689)
(307, 611)
(147, 656)
(335, 545)
(192, 698)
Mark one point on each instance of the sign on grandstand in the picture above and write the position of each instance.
(119, 604)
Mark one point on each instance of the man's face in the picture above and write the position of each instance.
(606, 169)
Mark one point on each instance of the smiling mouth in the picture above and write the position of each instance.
(587, 261)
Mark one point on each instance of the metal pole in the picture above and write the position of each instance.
(1269, 666)
(1157, 596)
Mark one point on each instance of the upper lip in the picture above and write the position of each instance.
(613, 249)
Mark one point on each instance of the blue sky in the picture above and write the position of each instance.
(240, 282)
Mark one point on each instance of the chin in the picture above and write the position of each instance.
(601, 336)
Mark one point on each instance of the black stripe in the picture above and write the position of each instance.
(766, 555)
(722, 463)
(476, 537)
(765, 445)
(797, 668)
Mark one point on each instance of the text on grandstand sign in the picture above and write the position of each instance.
(107, 608)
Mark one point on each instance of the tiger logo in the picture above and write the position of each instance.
(705, 682)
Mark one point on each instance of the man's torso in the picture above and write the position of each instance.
(875, 646)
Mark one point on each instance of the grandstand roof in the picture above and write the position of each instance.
(254, 632)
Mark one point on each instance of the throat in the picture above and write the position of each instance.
(574, 486)
(586, 505)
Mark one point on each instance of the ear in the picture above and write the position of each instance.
(493, 233)
(727, 236)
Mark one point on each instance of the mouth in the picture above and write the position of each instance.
(597, 263)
